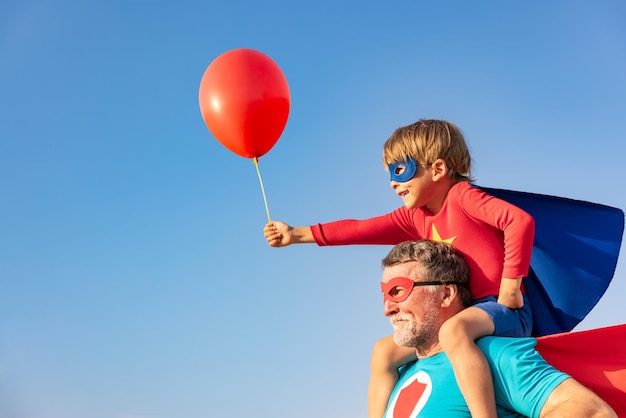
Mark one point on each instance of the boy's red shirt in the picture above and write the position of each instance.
(495, 237)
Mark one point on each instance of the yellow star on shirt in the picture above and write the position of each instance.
(437, 237)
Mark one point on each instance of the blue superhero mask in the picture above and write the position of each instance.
(403, 171)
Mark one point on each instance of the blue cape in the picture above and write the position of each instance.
(573, 259)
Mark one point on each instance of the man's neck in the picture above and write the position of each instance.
(430, 351)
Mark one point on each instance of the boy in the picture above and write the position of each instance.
(429, 164)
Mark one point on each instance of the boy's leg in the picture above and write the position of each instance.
(473, 375)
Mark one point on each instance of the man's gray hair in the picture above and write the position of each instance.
(438, 262)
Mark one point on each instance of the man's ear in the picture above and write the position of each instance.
(439, 169)
(450, 293)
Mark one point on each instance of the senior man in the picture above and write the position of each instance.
(425, 283)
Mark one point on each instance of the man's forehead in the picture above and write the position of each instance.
(400, 270)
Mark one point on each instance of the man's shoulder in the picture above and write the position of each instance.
(498, 347)
(523, 379)
(493, 341)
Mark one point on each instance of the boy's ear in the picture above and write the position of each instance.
(439, 169)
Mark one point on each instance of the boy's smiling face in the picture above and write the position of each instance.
(426, 188)
(415, 188)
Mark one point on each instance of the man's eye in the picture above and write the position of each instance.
(397, 291)
(399, 170)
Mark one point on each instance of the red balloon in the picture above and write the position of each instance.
(244, 100)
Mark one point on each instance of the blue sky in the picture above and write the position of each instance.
(136, 282)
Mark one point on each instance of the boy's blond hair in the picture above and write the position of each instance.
(428, 140)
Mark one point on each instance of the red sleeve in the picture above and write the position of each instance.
(518, 227)
(389, 229)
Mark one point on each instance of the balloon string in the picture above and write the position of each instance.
(256, 163)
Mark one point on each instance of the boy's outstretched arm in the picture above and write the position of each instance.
(279, 234)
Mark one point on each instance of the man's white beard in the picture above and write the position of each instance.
(420, 335)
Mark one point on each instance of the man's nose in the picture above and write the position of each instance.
(389, 307)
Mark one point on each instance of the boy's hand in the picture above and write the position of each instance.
(510, 293)
(278, 234)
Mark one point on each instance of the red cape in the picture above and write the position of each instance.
(595, 358)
